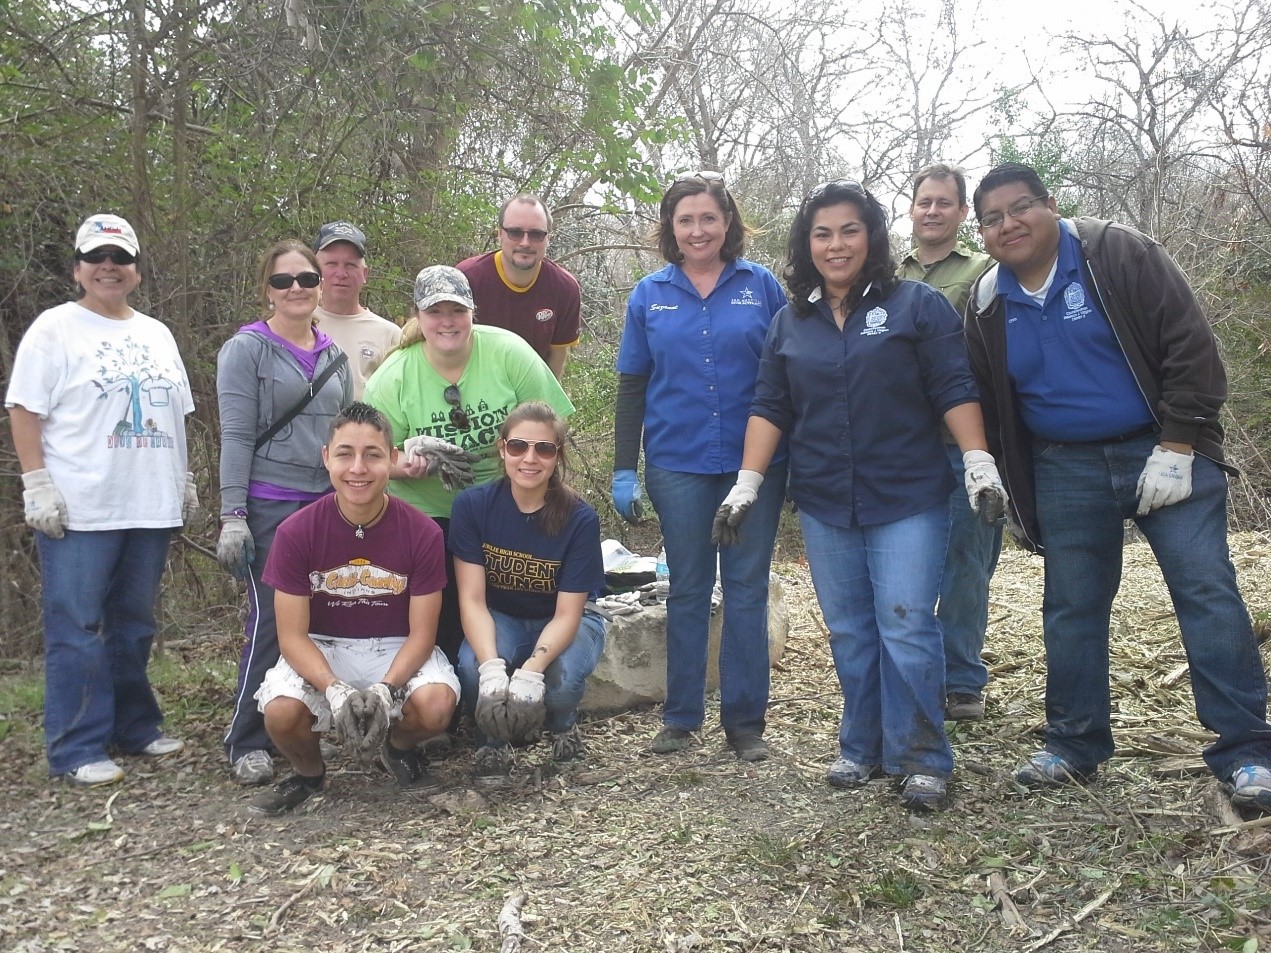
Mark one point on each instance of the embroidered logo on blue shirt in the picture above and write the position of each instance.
(875, 322)
(748, 298)
(1075, 299)
(664, 307)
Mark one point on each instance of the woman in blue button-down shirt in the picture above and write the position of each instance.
(858, 371)
(690, 352)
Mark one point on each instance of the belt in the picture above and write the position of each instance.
(1119, 438)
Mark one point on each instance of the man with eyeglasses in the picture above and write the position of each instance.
(359, 332)
(1101, 385)
(938, 210)
(517, 288)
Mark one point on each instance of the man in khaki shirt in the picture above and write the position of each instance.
(361, 334)
(939, 207)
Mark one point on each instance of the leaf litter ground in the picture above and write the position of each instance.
(632, 851)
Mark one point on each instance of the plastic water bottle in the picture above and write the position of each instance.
(662, 577)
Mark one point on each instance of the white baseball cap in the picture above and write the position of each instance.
(99, 230)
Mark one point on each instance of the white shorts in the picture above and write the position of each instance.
(361, 663)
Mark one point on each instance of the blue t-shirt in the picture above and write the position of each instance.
(524, 567)
(1073, 381)
(862, 406)
(701, 357)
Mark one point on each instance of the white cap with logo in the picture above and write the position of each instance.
(99, 230)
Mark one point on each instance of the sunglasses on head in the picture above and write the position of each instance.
(847, 185)
(520, 234)
(457, 417)
(98, 255)
(706, 175)
(283, 281)
(516, 447)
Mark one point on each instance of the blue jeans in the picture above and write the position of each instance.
(963, 609)
(565, 679)
(98, 595)
(1084, 493)
(686, 505)
(877, 589)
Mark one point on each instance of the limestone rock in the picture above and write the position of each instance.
(632, 671)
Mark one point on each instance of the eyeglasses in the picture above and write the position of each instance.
(535, 235)
(306, 279)
(1018, 210)
(516, 447)
(457, 417)
(98, 255)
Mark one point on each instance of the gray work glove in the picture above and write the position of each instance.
(43, 504)
(525, 708)
(492, 692)
(379, 712)
(449, 463)
(984, 486)
(1166, 479)
(726, 530)
(348, 710)
(235, 549)
(190, 500)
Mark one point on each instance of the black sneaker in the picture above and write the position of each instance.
(963, 706)
(410, 768)
(491, 764)
(286, 795)
(748, 746)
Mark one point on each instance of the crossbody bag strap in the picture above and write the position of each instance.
(314, 386)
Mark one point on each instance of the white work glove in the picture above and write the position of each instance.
(379, 712)
(43, 504)
(984, 486)
(190, 500)
(492, 697)
(1165, 480)
(235, 549)
(525, 708)
(347, 712)
(449, 463)
(725, 531)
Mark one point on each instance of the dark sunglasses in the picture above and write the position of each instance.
(516, 447)
(306, 279)
(98, 255)
(520, 234)
(457, 417)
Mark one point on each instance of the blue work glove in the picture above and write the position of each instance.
(626, 496)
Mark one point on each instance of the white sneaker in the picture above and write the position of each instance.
(161, 746)
(255, 767)
(95, 773)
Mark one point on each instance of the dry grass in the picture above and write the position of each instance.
(636, 852)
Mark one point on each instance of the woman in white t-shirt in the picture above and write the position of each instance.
(97, 404)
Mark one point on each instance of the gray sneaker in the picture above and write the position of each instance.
(922, 792)
(254, 768)
(1045, 769)
(569, 745)
(846, 773)
(491, 765)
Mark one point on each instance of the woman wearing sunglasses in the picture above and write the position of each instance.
(858, 371)
(97, 403)
(686, 376)
(447, 389)
(280, 383)
(527, 561)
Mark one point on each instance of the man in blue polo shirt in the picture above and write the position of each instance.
(1101, 386)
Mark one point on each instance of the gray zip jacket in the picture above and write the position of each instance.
(258, 381)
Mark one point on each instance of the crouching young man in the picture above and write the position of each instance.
(358, 578)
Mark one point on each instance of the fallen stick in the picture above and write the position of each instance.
(291, 901)
(510, 922)
(1002, 897)
(1084, 912)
